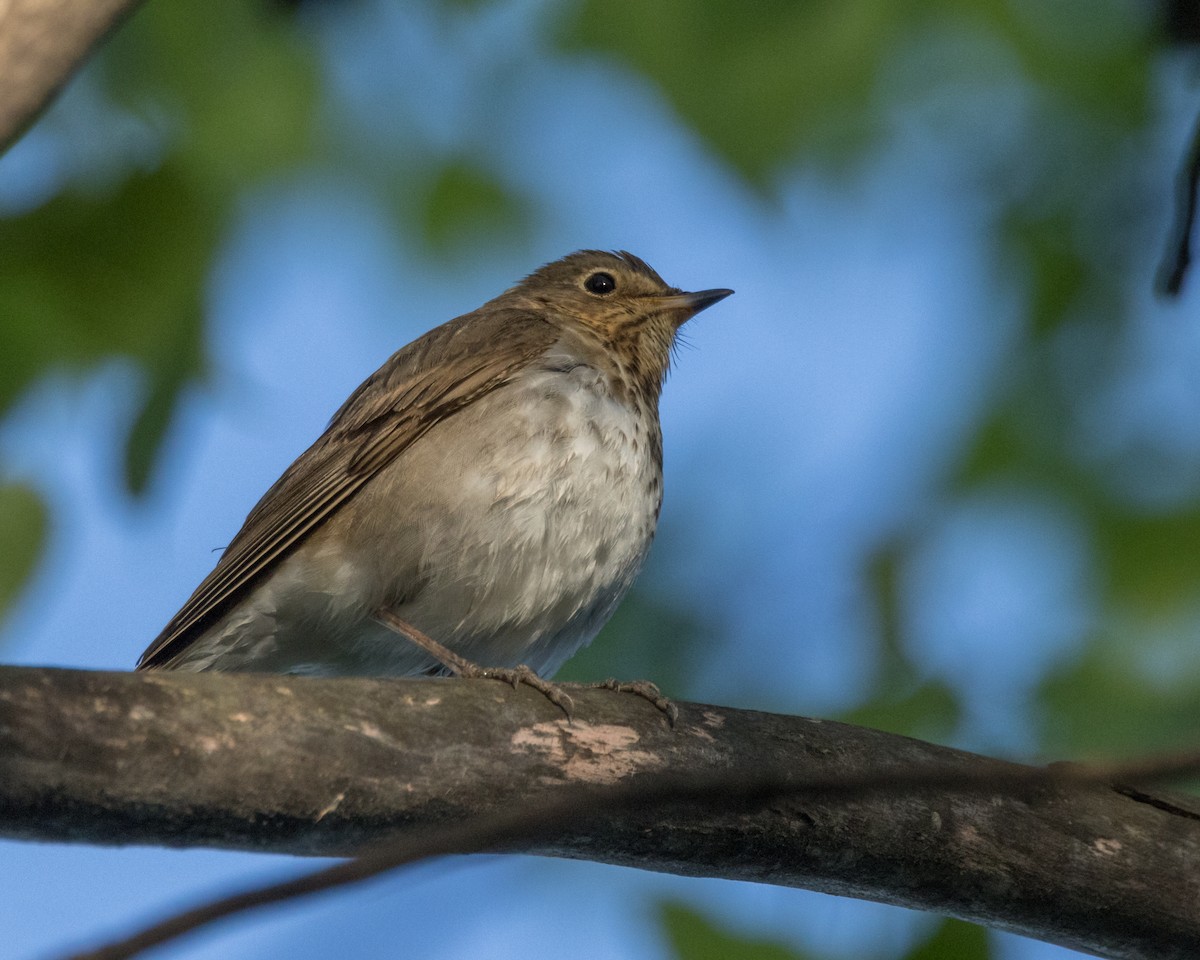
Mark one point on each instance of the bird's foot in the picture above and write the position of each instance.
(521, 674)
(462, 667)
(644, 689)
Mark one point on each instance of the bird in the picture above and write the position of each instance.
(478, 506)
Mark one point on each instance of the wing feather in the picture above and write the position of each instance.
(420, 386)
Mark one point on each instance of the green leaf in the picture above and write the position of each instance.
(1095, 54)
(900, 701)
(1153, 560)
(645, 640)
(1126, 694)
(758, 81)
(168, 377)
(92, 277)
(1058, 271)
(1149, 559)
(769, 82)
(693, 936)
(23, 525)
(927, 710)
(954, 940)
(466, 205)
(230, 91)
(233, 84)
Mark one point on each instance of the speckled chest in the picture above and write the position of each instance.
(548, 501)
(561, 474)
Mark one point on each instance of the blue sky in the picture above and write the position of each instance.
(810, 418)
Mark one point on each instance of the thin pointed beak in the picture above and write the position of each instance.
(693, 303)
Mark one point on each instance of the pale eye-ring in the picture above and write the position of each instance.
(600, 284)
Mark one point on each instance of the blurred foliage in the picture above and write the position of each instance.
(466, 206)
(23, 525)
(89, 277)
(645, 640)
(954, 940)
(116, 268)
(230, 94)
(1122, 699)
(237, 84)
(1059, 273)
(767, 84)
(693, 936)
(901, 701)
(928, 710)
(1150, 554)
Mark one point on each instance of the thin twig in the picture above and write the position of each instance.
(1177, 257)
(577, 807)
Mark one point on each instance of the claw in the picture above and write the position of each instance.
(647, 691)
(523, 674)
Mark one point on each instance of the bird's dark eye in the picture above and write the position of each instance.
(600, 283)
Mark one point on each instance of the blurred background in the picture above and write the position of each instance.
(935, 468)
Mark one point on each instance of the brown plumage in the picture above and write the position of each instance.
(463, 487)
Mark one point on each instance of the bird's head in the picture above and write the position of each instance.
(619, 303)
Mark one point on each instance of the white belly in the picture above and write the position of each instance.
(509, 533)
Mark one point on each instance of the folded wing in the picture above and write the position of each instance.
(420, 386)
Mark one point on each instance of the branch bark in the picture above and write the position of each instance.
(326, 767)
(42, 43)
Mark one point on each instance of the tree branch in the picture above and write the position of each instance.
(329, 766)
(42, 43)
(1177, 257)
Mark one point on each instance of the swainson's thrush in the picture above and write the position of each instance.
(486, 497)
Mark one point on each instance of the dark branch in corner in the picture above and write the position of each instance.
(336, 766)
(1180, 21)
(1177, 259)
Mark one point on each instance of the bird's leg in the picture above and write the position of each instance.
(462, 667)
(459, 666)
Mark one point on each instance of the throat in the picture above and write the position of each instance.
(633, 361)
